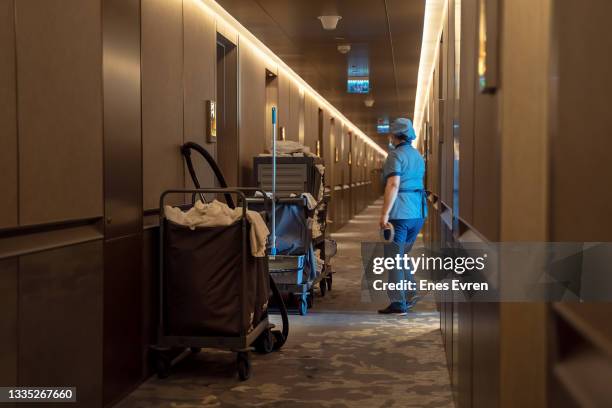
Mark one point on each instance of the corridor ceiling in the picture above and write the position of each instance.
(388, 33)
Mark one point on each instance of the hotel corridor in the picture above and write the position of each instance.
(342, 354)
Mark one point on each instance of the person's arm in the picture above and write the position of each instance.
(391, 190)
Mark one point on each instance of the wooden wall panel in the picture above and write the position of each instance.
(8, 117)
(149, 294)
(252, 114)
(466, 114)
(524, 173)
(60, 109)
(162, 98)
(487, 167)
(327, 147)
(122, 317)
(337, 146)
(293, 127)
(580, 138)
(8, 321)
(283, 100)
(60, 320)
(311, 122)
(485, 369)
(122, 118)
(200, 60)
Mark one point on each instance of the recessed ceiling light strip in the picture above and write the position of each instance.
(218, 12)
(435, 13)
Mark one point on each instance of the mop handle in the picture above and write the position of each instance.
(273, 250)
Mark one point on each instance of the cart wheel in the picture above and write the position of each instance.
(279, 339)
(329, 282)
(323, 286)
(303, 309)
(195, 350)
(244, 365)
(162, 365)
(265, 342)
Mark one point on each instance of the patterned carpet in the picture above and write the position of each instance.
(342, 354)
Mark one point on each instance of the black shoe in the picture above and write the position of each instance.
(391, 309)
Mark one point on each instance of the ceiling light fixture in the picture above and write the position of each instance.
(329, 22)
(344, 48)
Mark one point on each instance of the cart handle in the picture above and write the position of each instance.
(186, 152)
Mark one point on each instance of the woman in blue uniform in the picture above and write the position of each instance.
(404, 206)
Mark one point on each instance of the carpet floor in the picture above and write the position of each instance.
(342, 354)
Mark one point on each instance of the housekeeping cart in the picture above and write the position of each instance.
(212, 292)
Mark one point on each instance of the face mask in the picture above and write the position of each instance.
(391, 146)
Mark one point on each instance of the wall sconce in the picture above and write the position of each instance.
(337, 156)
(350, 158)
(318, 148)
(283, 133)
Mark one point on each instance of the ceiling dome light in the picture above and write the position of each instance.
(369, 102)
(344, 48)
(329, 22)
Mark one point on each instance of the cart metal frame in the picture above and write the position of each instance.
(241, 343)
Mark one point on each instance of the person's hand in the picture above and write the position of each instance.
(384, 221)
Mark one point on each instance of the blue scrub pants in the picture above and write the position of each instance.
(406, 232)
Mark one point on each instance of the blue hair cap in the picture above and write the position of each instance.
(402, 127)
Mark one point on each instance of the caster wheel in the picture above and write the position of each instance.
(195, 350)
(303, 307)
(329, 282)
(279, 339)
(265, 342)
(323, 286)
(162, 366)
(244, 365)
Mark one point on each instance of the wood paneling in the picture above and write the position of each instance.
(311, 122)
(524, 156)
(122, 118)
(59, 109)
(149, 293)
(252, 109)
(466, 113)
(60, 320)
(485, 369)
(8, 117)
(200, 44)
(283, 100)
(162, 98)
(580, 140)
(295, 106)
(486, 184)
(122, 316)
(8, 322)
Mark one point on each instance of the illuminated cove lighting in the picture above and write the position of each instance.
(247, 38)
(435, 13)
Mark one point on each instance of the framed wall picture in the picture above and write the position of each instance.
(210, 112)
(488, 42)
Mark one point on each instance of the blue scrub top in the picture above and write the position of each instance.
(405, 161)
